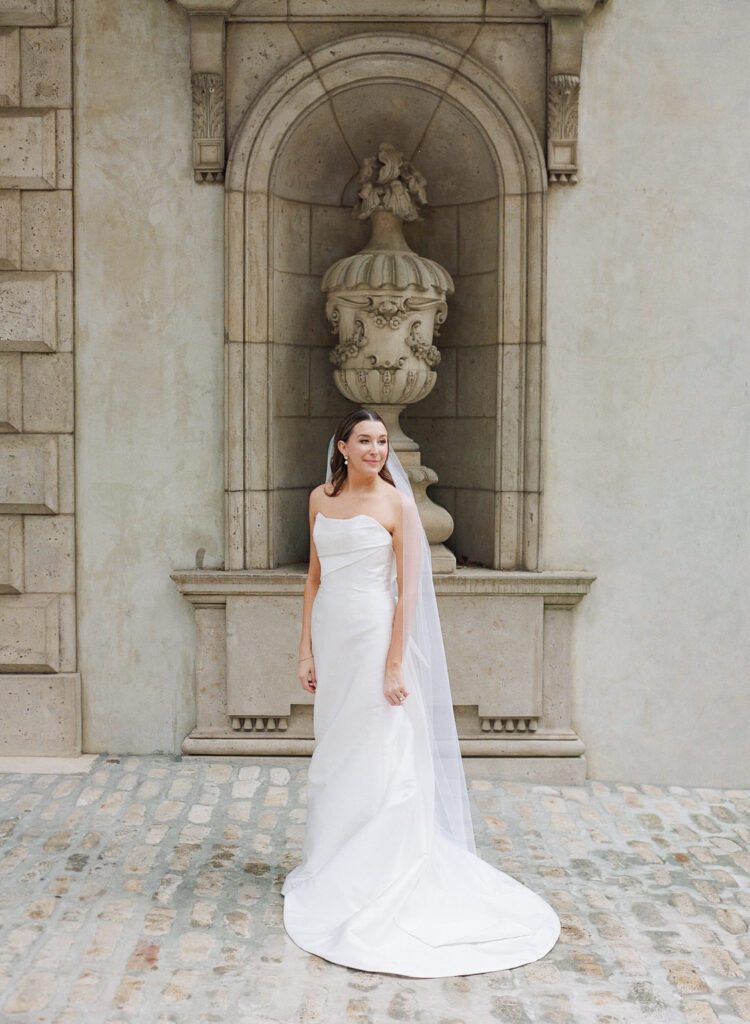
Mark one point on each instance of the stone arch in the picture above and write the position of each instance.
(511, 504)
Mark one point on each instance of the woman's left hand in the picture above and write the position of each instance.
(394, 687)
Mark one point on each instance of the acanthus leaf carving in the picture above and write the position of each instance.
(208, 125)
(562, 109)
(562, 128)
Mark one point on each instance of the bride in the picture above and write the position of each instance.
(390, 880)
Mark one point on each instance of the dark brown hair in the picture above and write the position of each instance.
(343, 431)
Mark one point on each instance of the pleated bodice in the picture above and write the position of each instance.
(356, 554)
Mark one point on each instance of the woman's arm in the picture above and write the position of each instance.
(393, 685)
(306, 669)
(395, 654)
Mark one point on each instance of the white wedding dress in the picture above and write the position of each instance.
(380, 888)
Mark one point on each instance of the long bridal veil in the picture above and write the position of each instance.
(425, 667)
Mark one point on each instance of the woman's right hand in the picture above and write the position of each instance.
(306, 674)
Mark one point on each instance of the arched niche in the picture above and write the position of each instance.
(289, 190)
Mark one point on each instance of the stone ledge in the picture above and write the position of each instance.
(556, 768)
(213, 586)
(387, 10)
(45, 764)
(545, 745)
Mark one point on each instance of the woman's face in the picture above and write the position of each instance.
(366, 448)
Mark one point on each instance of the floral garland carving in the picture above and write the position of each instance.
(429, 353)
(349, 347)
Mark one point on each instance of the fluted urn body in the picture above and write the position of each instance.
(386, 303)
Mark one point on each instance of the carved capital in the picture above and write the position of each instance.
(565, 20)
(208, 125)
(562, 128)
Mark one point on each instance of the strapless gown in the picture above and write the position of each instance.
(379, 887)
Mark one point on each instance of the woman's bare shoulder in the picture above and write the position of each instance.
(396, 499)
(404, 506)
(318, 495)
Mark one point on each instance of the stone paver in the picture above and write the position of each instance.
(147, 891)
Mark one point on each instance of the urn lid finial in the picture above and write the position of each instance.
(391, 191)
(390, 182)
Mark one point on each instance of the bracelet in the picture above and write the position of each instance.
(308, 658)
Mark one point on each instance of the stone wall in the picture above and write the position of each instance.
(647, 476)
(39, 682)
(645, 472)
(149, 375)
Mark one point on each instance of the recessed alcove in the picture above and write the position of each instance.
(314, 189)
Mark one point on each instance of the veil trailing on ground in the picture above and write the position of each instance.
(424, 664)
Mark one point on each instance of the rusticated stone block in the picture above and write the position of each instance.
(64, 12)
(65, 473)
(10, 68)
(41, 715)
(49, 554)
(28, 311)
(47, 230)
(45, 67)
(27, 149)
(10, 230)
(48, 393)
(29, 633)
(64, 156)
(10, 393)
(28, 474)
(64, 311)
(11, 554)
(68, 638)
(27, 12)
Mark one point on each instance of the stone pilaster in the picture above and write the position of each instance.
(39, 681)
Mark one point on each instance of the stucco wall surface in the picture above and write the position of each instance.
(149, 372)
(647, 452)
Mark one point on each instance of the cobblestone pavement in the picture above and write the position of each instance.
(147, 890)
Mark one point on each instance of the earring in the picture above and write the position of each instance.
(346, 461)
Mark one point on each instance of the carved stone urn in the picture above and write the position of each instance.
(386, 303)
